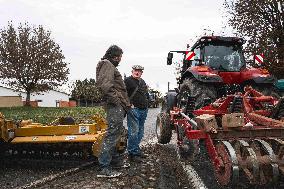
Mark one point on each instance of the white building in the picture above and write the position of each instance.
(44, 99)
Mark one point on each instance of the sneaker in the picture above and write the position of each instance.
(108, 173)
(120, 164)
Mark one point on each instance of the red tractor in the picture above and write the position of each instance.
(218, 68)
(217, 107)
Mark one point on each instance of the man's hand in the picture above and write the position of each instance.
(127, 109)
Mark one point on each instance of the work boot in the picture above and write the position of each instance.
(119, 164)
(107, 172)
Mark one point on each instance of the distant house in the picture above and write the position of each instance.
(51, 98)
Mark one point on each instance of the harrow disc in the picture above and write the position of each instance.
(247, 160)
(229, 170)
(269, 171)
(278, 148)
(261, 161)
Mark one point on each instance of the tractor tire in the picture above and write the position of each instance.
(267, 90)
(201, 91)
(169, 102)
(163, 128)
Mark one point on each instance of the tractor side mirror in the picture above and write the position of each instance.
(170, 58)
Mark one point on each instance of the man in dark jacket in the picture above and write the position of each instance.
(114, 92)
(138, 93)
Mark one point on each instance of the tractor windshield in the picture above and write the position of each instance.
(224, 57)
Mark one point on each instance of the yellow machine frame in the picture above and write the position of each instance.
(28, 132)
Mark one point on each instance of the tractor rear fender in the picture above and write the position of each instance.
(205, 77)
(257, 75)
(265, 80)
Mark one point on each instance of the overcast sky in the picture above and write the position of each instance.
(146, 30)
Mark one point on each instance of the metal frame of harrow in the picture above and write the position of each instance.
(256, 150)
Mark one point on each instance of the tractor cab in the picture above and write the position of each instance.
(217, 65)
(223, 54)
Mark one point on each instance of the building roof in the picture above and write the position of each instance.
(25, 92)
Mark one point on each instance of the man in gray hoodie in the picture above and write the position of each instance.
(114, 92)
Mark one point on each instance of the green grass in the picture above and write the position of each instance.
(47, 115)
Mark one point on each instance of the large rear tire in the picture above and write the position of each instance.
(201, 91)
(163, 128)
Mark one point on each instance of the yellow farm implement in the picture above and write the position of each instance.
(38, 139)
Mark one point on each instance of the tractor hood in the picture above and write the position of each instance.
(205, 74)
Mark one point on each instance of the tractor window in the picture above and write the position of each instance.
(196, 57)
(224, 58)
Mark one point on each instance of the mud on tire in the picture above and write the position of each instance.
(199, 90)
(163, 128)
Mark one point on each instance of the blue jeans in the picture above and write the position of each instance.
(115, 116)
(135, 122)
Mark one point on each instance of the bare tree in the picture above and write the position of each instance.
(30, 60)
(262, 21)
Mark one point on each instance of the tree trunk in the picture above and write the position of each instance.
(280, 62)
(78, 102)
(28, 99)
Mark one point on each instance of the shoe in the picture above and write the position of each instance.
(108, 173)
(120, 164)
(134, 158)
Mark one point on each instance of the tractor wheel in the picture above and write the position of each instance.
(163, 128)
(201, 91)
(164, 106)
(267, 90)
(169, 102)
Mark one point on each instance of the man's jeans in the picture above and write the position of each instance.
(115, 116)
(135, 122)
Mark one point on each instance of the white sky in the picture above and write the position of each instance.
(146, 30)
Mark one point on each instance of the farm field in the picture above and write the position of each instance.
(47, 115)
